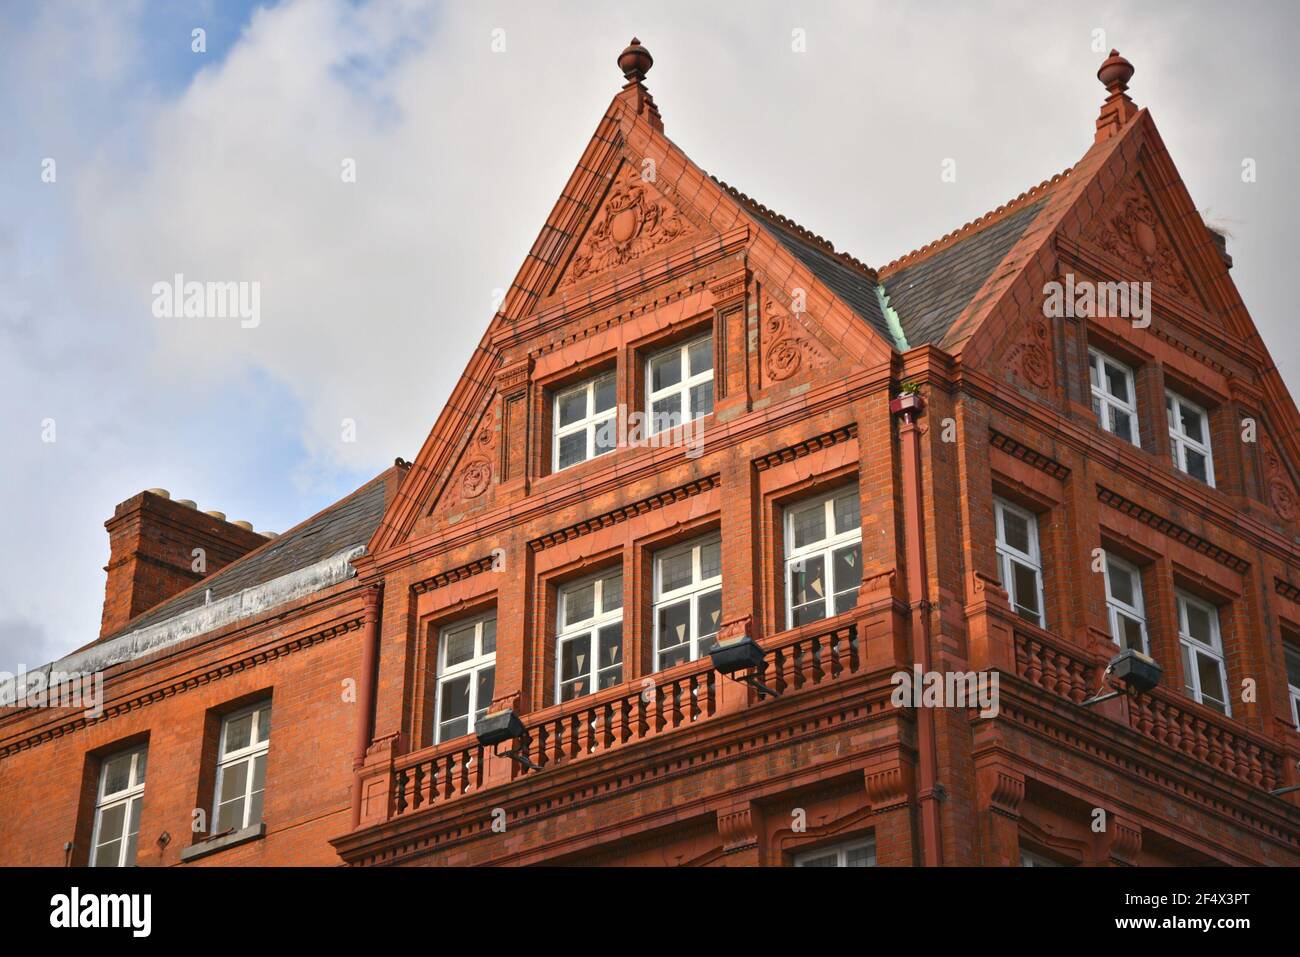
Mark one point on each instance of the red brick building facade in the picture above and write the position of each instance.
(939, 465)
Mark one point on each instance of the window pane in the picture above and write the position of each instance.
(1169, 412)
(572, 406)
(666, 413)
(489, 636)
(1121, 423)
(1198, 623)
(611, 593)
(710, 560)
(264, 724)
(1292, 655)
(604, 395)
(846, 601)
(675, 571)
(1130, 633)
(486, 681)
(1211, 675)
(708, 614)
(701, 400)
(573, 689)
(701, 356)
(1191, 421)
(821, 860)
(609, 646)
(117, 774)
(454, 698)
(846, 565)
(579, 603)
(460, 645)
(108, 855)
(573, 657)
(1026, 591)
(848, 512)
(605, 436)
(110, 824)
(1188, 677)
(809, 525)
(573, 448)
(669, 657)
(255, 808)
(807, 580)
(1196, 465)
(1116, 382)
(234, 780)
(666, 370)
(1121, 584)
(230, 816)
(1015, 531)
(674, 624)
(143, 760)
(859, 857)
(608, 677)
(133, 832)
(239, 733)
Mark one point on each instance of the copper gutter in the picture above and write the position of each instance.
(908, 408)
(366, 691)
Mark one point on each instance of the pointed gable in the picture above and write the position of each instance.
(1131, 231)
(633, 220)
(637, 212)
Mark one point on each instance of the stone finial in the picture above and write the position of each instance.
(1115, 73)
(635, 61)
(1118, 109)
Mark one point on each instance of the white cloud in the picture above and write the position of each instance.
(375, 293)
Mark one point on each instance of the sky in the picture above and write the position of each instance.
(133, 151)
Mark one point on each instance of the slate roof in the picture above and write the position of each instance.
(347, 523)
(925, 296)
(930, 294)
(853, 282)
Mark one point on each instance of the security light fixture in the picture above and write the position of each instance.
(1278, 792)
(1132, 671)
(741, 654)
(501, 726)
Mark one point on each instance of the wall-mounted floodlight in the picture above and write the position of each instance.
(1286, 790)
(501, 726)
(741, 654)
(1133, 673)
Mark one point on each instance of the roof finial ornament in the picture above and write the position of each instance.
(1115, 73)
(1118, 109)
(635, 62)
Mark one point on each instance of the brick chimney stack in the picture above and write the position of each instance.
(152, 542)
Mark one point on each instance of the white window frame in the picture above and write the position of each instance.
(1195, 647)
(591, 423)
(682, 387)
(1293, 689)
(250, 754)
(1104, 400)
(479, 661)
(825, 548)
(1117, 606)
(1034, 859)
(841, 852)
(1180, 441)
(1032, 559)
(134, 791)
(599, 620)
(695, 590)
